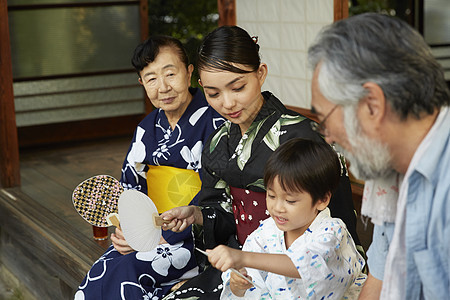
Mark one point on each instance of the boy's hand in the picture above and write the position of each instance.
(224, 258)
(239, 285)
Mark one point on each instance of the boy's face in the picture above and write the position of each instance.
(292, 212)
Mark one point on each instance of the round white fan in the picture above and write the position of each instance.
(137, 214)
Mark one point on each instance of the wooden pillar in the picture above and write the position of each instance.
(340, 9)
(143, 14)
(9, 147)
(227, 12)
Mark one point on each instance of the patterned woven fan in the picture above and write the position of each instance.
(97, 197)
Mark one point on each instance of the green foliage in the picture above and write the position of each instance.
(362, 6)
(188, 21)
(398, 8)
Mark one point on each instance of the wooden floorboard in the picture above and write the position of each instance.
(50, 174)
(42, 246)
(44, 242)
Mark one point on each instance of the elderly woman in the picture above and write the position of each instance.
(232, 198)
(163, 161)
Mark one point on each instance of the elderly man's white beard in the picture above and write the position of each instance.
(370, 159)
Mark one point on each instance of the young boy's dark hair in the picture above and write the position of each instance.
(304, 166)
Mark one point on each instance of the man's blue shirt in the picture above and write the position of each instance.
(428, 220)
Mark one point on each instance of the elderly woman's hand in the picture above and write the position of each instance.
(181, 217)
(119, 242)
(121, 245)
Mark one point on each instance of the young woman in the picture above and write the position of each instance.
(166, 149)
(289, 253)
(232, 198)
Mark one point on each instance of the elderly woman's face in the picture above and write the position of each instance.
(166, 81)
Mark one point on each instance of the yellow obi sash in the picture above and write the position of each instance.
(170, 187)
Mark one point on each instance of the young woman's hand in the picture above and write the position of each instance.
(181, 217)
(119, 242)
(239, 285)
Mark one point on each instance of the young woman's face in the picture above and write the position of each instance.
(292, 212)
(237, 97)
(166, 81)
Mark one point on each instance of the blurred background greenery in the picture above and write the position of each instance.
(402, 9)
(188, 21)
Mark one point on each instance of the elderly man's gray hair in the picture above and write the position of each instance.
(384, 50)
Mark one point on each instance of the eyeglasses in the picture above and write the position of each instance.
(320, 127)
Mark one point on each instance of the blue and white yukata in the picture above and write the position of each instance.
(325, 256)
(150, 275)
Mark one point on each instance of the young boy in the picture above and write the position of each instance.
(301, 251)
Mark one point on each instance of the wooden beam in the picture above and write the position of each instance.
(143, 14)
(143, 10)
(304, 111)
(227, 12)
(340, 9)
(9, 147)
(78, 130)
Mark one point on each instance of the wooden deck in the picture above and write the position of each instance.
(49, 175)
(46, 247)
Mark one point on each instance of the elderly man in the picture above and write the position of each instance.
(381, 96)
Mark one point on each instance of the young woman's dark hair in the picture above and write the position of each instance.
(147, 52)
(304, 166)
(227, 46)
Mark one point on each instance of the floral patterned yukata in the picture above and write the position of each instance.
(233, 166)
(325, 256)
(150, 275)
